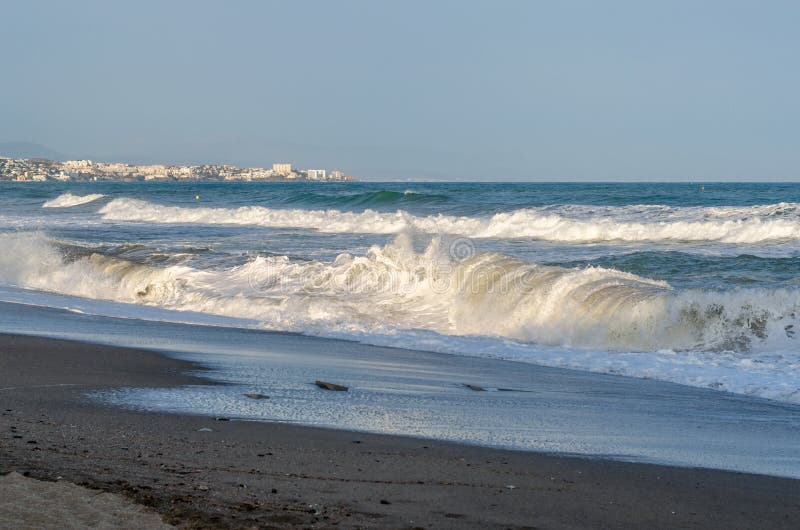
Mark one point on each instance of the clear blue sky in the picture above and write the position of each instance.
(493, 90)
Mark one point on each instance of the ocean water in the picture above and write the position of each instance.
(696, 285)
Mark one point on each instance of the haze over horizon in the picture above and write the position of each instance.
(512, 90)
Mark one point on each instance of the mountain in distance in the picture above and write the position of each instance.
(28, 150)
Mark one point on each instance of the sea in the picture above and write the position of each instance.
(565, 294)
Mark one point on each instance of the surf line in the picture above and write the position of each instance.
(40, 386)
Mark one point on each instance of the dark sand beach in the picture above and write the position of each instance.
(253, 474)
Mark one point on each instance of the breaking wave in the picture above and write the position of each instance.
(461, 300)
(65, 200)
(574, 224)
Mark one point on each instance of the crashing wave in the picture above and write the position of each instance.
(438, 290)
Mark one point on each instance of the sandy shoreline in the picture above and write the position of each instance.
(245, 474)
(26, 502)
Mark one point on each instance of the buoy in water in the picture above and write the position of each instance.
(197, 197)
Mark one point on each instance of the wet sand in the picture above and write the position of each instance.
(249, 474)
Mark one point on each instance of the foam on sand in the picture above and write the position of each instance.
(66, 200)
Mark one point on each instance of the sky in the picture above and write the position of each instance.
(389, 90)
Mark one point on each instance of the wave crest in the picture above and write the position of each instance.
(725, 226)
(66, 200)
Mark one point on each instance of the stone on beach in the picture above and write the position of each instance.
(330, 386)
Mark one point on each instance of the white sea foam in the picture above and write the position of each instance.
(66, 200)
(484, 304)
(573, 224)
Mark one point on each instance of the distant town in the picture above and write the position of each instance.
(42, 169)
